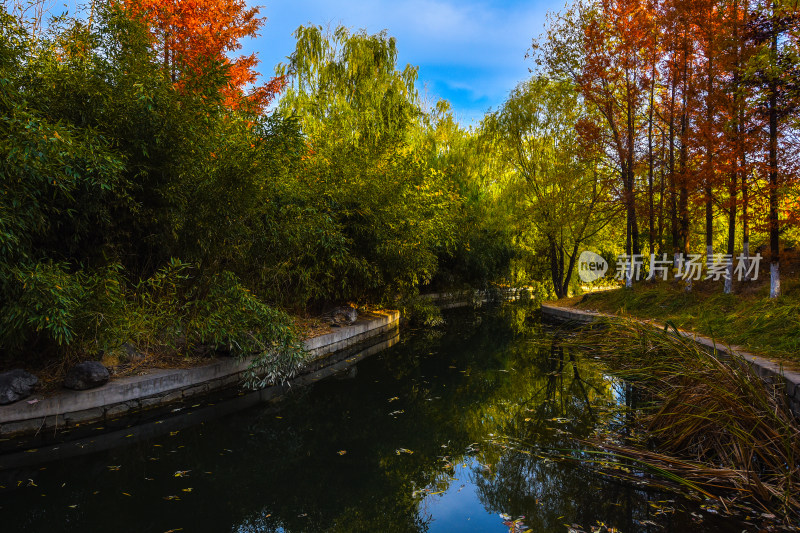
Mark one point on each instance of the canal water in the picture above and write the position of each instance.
(442, 432)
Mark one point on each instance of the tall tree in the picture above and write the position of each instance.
(361, 115)
(772, 69)
(561, 184)
(195, 38)
(615, 79)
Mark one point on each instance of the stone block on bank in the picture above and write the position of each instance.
(16, 385)
(86, 375)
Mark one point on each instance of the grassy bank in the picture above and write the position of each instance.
(748, 319)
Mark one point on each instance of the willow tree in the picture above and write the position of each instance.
(350, 81)
(561, 185)
(361, 116)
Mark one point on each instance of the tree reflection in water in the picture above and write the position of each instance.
(442, 432)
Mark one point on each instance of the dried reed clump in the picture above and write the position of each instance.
(717, 427)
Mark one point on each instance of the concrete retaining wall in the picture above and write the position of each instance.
(156, 388)
(766, 369)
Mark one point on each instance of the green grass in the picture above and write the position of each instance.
(749, 319)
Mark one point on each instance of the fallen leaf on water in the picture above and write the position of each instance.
(393, 399)
(172, 498)
(114, 468)
(126, 494)
(182, 473)
(398, 451)
(173, 433)
(72, 506)
(188, 489)
(342, 452)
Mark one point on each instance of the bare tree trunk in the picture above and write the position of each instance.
(556, 266)
(651, 235)
(745, 221)
(673, 195)
(628, 274)
(709, 177)
(733, 185)
(774, 266)
(683, 201)
(683, 198)
(661, 194)
(634, 226)
(709, 229)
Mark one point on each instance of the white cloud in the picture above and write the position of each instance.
(470, 52)
(470, 33)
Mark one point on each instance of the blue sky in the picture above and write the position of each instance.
(471, 53)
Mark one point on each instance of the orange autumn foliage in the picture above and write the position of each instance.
(195, 36)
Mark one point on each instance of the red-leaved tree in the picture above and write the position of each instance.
(194, 38)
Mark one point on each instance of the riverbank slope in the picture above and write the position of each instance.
(748, 319)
